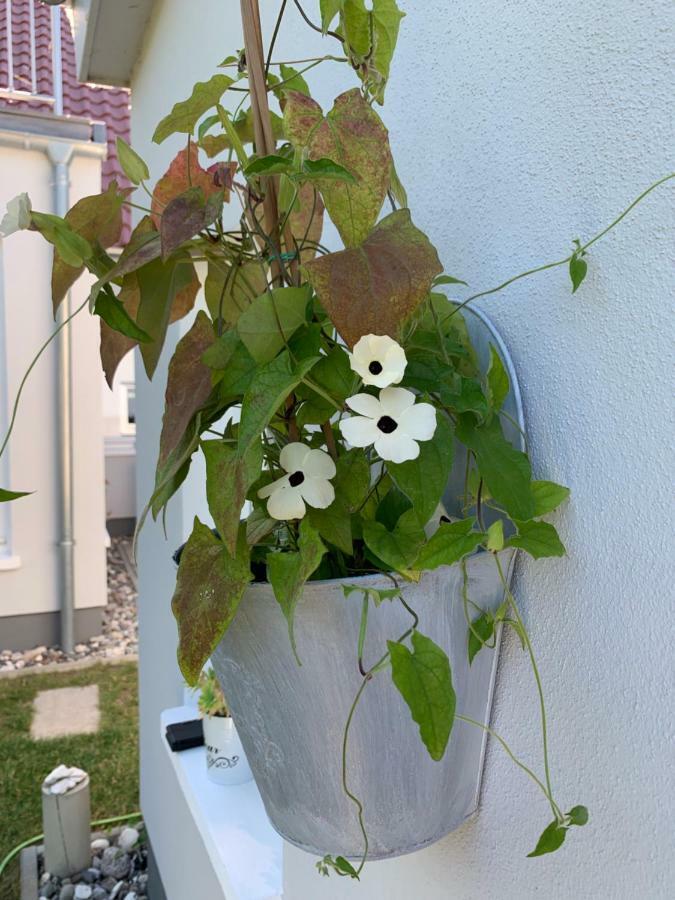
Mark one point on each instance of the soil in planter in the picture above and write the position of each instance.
(118, 870)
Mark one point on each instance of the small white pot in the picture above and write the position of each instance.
(225, 759)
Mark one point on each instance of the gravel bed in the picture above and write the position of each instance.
(119, 636)
(118, 870)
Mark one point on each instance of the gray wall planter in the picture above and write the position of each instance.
(290, 718)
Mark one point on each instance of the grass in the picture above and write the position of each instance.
(110, 756)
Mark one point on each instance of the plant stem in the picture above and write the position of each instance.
(316, 27)
(560, 262)
(273, 40)
(542, 705)
(30, 368)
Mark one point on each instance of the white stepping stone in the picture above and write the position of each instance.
(63, 711)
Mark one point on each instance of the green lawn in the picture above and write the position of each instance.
(110, 757)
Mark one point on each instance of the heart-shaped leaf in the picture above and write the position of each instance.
(228, 478)
(186, 113)
(450, 543)
(552, 837)
(7, 496)
(538, 539)
(424, 680)
(184, 173)
(209, 587)
(186, 215)
(133, 166)
(373, 288)
(353, 136)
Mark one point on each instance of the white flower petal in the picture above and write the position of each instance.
(384, 350)
(395, 400)
(319, 464)
(359, 431)
(293, 456)
(272, 487)
(286, 503)
(419, 422)
(365, 405)
(396, 447)
(317, 492)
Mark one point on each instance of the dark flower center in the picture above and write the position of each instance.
(296, 479)
(375, 367)
(387, 424)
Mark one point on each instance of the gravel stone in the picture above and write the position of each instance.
(115, 862)
(99, 844)
(127, 839)
(120, 630)
(83, 892)
(99, 893)
(67, 892)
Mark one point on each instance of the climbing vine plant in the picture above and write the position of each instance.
(351, 372)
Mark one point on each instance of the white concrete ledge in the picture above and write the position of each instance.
(244, 849)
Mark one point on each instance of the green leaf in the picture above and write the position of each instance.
(397, 548)
(448, 279)
(133, 165)
(269, 165)
(497, 380)
(578, 815)
(352, 135)
(495, 536)
(538, 539)
(270, 385)
(329, 9)
(548, 496)
(462, 395)
(97, 220)
(425, 479)
(228, 478)
(292, 80)
(334, 374)
(450, 543)
(345, 866)
(188, 384)
(271, 319)
(386, 21)
(71, 247)
(161, 284)
(506, 471)
(334, 524)
(552, 837)
(186, 113)
(233, 363)
(185, 216)
(209, 587)
(373, 288)
(7, 496)
(481, 630)
(424, 680)
(352, 479)
(113, 313)
(578, 269)
(288, 572)
(230, 288)
(18, 215)
(313, 169)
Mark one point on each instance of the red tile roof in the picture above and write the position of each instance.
(90, 101)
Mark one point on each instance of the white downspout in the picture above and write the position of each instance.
(60, 155)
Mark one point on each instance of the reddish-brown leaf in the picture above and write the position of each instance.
(352, 134)
(306, 220)
(184, 172)
(188, 383)
(373, 288)
(96, 219)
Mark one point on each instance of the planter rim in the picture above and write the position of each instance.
(378, 576)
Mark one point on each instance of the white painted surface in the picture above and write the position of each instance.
(542, 121)
(242, 845)
(28, 321)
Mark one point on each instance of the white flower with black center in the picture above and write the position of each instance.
(392, 422)
(378, 359)
(306, 481)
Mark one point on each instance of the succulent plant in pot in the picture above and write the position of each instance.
(225, 758)
(369, 425)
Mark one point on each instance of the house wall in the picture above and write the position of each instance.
(516, 128)
(29, 587)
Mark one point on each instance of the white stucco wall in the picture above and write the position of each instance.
(517, 127)
(33, 455)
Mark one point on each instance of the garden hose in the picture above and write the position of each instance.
(38, 837)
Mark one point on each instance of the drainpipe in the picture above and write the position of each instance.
(60, 155)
